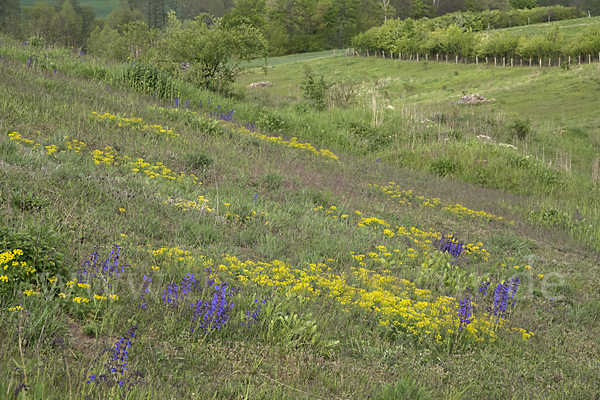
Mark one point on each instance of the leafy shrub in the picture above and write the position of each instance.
(444, 166)
(28, 202)
(148, 79)
(272, 123)
(343, 94)
(520, 128)
(198, 161)
(210, 126)
(456, 134)
(26, 260)
(366, 137)
(36, 41)
(314, 90)
(214, 51)
(576, 131)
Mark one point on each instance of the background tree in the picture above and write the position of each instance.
(123, 15)
(249, 12)
(346, 17)
(8, 11)
(68, 25)
(523, 4)
(40, 21)
(215, 53)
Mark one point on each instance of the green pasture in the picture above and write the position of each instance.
(547, 94)
(571, 28)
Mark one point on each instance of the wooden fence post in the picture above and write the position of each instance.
(579, 63)
(494, 61)
(367, 52)
(503, 62)
(476, 61)
(417, 57)
(383, 54)
(511, 62)
(540, 63)
(334, 53)
(559, 61)
(549, 62)
(486, 61)
(437, 57)
(426, 57)
(457, 59)
(446, 58)
(521, 62)
(529, 61)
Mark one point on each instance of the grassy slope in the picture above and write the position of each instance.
(571, 28)
(82, 206)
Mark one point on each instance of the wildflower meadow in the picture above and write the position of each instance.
(252, 246)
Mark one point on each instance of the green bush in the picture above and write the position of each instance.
(28, 202)
(444, 166)
(520, 128)
(27, 261)
(210, 126)
(198, 161)
(314, 90)
(272, 123)
(148, 79)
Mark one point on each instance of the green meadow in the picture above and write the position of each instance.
(362, 236)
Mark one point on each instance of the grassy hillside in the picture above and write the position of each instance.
(571, 28)
(219, 259)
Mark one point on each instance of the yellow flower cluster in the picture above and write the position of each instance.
(372, 222)
(9, 256)
(238, 218)
(75, 145)
(80, 300)
(9, 259)
(169, 255)
(200, 204)
(395, 301)
(51, 149)
(408, 197)
(293, 142)
(75, 283)
(105, 157)
(422, 239)
(157, 170)
(15, 136)
(136, 124)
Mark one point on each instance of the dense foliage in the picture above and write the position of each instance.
(468, 38)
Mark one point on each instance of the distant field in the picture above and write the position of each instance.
(545, 94)
(102, 7)
(295, 58)
(569, 27)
